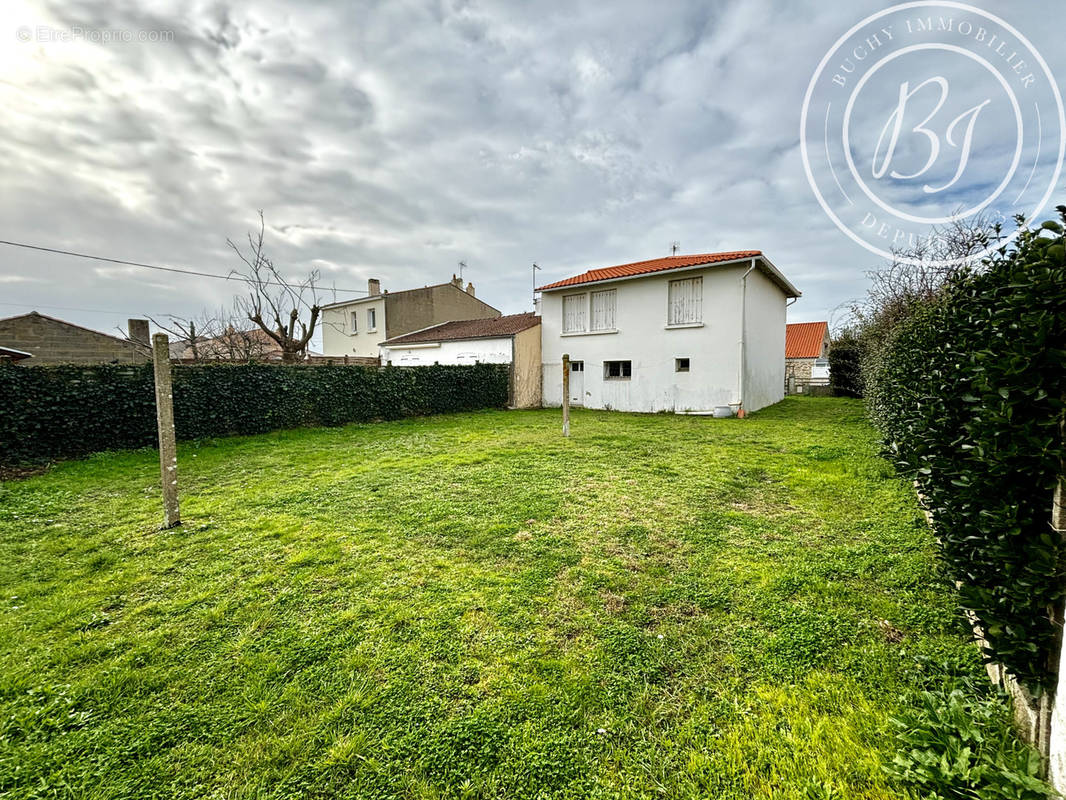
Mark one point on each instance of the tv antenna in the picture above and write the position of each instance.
(536, 269)
(462, 266)
(674, 247)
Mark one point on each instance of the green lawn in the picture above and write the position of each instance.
(472, 606)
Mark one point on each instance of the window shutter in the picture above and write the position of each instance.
(574, 311)
(603, 309)
(685, 301)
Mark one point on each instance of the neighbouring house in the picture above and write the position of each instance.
(52, 341)
(697, 333)
(806, 355)
(513, 339)
(9, 355)
(357, 327)
(247, 344)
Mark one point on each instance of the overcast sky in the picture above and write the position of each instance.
(392, 140)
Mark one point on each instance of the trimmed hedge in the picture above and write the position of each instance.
(969, 394)
(845, 372)
(69, 411)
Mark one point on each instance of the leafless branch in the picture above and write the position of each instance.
(273, 302)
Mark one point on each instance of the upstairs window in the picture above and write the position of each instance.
(575, 311)
(685, 302)
(617, 370)
(603, 307)
(355, 322)
(371, 319)
(680, 365)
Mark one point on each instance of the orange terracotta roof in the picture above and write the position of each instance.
(490, 328)
(804, 339)
(653, 265)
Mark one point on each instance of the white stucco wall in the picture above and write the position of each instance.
(485, 351)
(643, 337)
(713, 349)
(337, 336)
(764, 342)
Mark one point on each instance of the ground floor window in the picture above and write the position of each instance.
(577, 366)
(617, 370)
(680, 365)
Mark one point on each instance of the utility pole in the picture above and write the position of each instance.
(536, 269)
(164, 411)
(566, 394)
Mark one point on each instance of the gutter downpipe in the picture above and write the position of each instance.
(743, 346)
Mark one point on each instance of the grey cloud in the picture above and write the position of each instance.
(393, 139)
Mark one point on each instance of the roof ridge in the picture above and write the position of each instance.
(651, 265)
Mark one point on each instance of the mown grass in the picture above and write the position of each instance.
(471, 606)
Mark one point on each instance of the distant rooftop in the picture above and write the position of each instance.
(804, 339)
(489, 328)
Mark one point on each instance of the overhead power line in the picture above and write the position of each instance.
(231, 277)
(73, 308)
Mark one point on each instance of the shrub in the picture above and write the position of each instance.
(65, 411)
(953, 745)
(845, 374)
(969, 394)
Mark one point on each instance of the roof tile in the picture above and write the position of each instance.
(653, 265)
(804, 339)
(469, 329)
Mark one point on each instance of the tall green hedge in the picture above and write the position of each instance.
(970, 395)
(56, 412)
(845, 373)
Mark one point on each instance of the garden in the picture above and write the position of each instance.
(469, 605)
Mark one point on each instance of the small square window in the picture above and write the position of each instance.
(617, 370)
(577, 366)
(680, 365)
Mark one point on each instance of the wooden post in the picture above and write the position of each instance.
(566, 394)
(164, 411)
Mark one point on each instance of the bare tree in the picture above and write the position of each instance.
(274, 303)
(917, 274)
(191, 332)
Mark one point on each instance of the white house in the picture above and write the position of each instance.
(513, 339)
(683, 333)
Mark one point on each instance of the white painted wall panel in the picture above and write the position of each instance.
(641, 318)
(764, 343)
(484, 351)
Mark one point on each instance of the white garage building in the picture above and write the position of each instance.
(682, 333)
(513, 339)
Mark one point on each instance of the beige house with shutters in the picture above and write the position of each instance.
(357, 327)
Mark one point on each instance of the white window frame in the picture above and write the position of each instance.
(579, 312)
(371, 320)
(603, 318)
(681, 310)
(621, 376)
(355, 322)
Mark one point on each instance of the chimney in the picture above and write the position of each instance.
(374, 287)
(470, 289)
(456, 281)
(138, 331)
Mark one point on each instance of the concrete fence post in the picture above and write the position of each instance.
(168, 448)
(1058, 507)
(566, 394)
